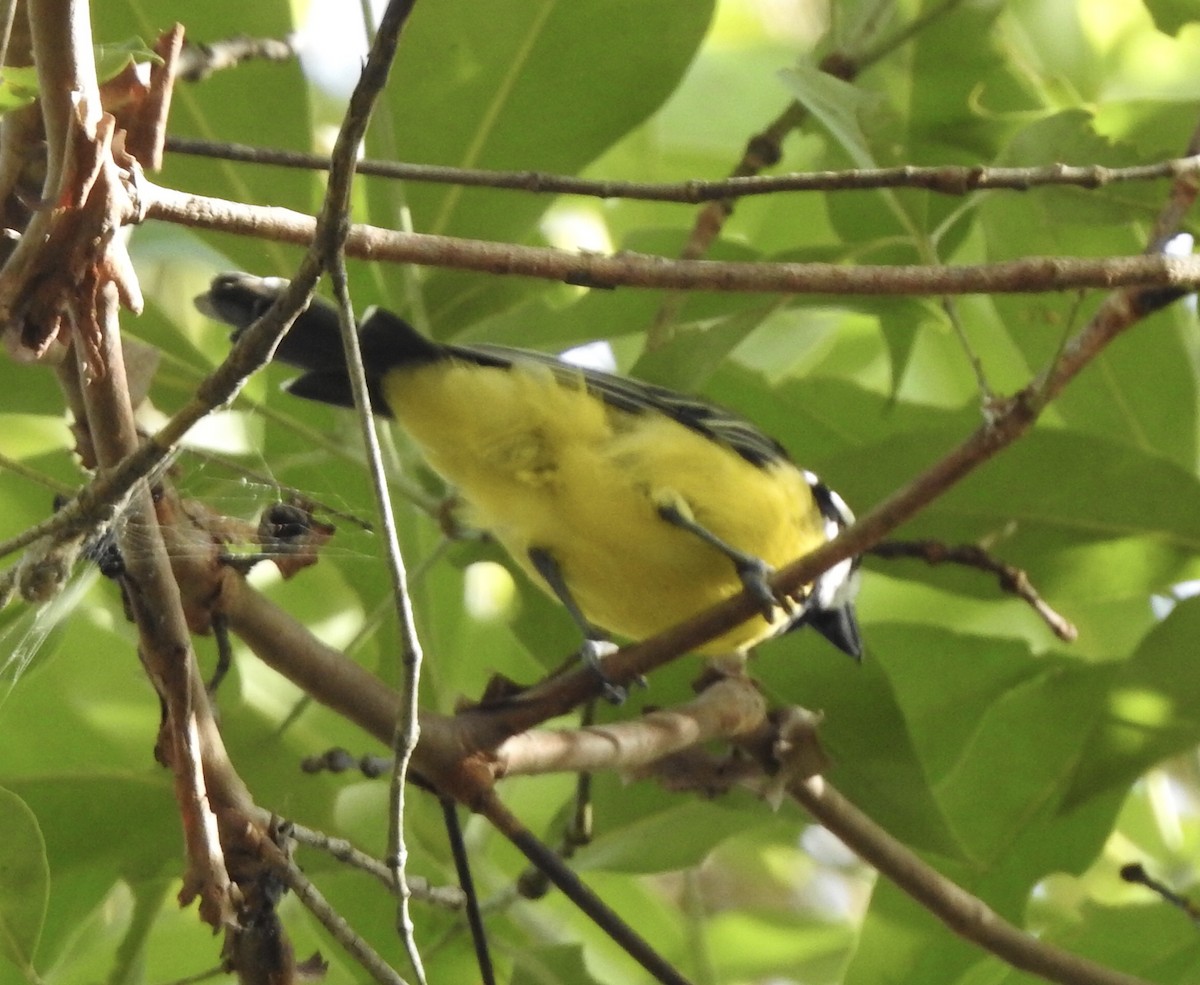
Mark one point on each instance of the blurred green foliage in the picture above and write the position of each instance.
(1027, 769)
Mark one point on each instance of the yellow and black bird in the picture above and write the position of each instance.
(635, 506)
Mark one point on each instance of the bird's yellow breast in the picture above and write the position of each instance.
(542, 463)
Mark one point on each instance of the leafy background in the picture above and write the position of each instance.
(1026, 769)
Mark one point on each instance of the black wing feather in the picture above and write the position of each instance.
(636, 396)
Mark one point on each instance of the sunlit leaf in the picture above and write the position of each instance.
(112, 57)
(24, 881)
(18, 87)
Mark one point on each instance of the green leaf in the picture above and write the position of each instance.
(1078, 485)
(24, 881)
(1039, 727)
(1171, 16)
(756, 945)
(837, 104)
(673, 838)
(943, 104)
(863, 730)
(1154, 942)
(1151, 711)
(900, 320)
(1141, 391)
(112, 57)
(552, 963)
(18, 87)
(77, 839)
(483, 84)
(19, 84)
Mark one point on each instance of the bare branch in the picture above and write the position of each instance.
(729, 707)
(1027, 275)
(1012, 579)
(329, 918)
(959, 910)
(148, 129)
(198, 60)
(1135, 872)
(947, 179)
(446, 897)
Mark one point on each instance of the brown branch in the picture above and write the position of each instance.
(444, 897)
(316, 904)
(198, 61)
(1012, 579)
(947, 179)
(190, 744)
(85, 199)
(1027, 275)
(445, 755)
(962, 912)
(79, 272)
(729, 707)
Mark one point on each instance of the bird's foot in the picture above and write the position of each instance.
(755, 575)
(594, 650)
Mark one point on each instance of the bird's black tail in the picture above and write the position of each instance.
(839, 625)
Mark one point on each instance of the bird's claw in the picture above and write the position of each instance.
(594, 650)
(755, 576)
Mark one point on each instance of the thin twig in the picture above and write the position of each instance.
(33, 475)
(1012, 579)
(445, 897)
(1136, 873)
(986, 396)
(636, 946)
(945, 179)
(407, 729)
(199, 61)
(316, 904)
(462, 866)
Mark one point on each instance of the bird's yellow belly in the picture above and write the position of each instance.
(547, 466)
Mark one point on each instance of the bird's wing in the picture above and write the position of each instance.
(634, 396)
